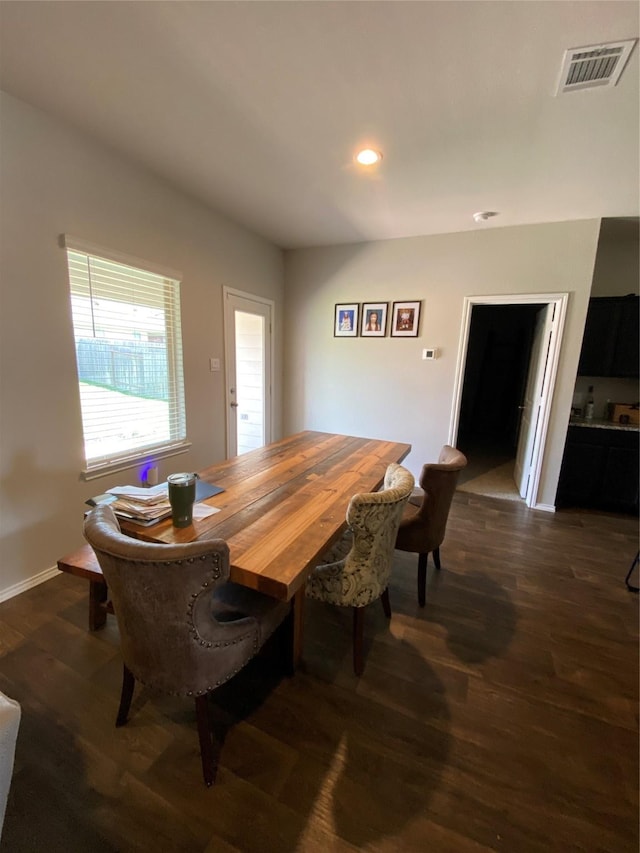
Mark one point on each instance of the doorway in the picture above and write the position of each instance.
(498, 354)
(506, 373)
(248, 359)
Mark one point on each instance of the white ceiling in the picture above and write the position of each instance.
(256, 108)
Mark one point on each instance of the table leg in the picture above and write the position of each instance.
(298, 626)
(97, 610)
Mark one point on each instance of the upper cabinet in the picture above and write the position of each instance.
(610, 346)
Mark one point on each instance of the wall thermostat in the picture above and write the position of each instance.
(430, 353)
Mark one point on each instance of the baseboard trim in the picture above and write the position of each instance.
(545, 507)
(23, 586)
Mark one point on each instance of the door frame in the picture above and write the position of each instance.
(559, 301)
(229, 357)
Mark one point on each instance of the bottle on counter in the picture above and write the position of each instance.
(589, 405)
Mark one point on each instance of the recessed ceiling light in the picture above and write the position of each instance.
(483, 215)
(368, 157)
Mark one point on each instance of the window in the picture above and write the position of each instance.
(126, 323)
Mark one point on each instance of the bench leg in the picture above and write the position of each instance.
(97, 601)
(298, 628)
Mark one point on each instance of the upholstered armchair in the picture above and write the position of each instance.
(356, 571)
(424, 521)
(10, 713)
(184, 627)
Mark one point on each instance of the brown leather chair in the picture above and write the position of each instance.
(424, 521)
(184, 627)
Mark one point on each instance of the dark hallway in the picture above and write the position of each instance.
(497, 363)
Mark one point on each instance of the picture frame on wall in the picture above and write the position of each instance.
(374, 319)
(345, 324)
(405, 319)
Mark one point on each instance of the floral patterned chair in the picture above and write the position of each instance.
(356, 570)
(184, 627)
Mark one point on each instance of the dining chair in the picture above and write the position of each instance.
(424, 522)
(185, 629)
(355, 572)
(10, 713)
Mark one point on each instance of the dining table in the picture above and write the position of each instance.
(281, 507)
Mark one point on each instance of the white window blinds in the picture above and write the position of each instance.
(126, 323)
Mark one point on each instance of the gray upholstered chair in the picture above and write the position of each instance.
(424, 521)
(356, 570)
(184, 627)
(10, 713)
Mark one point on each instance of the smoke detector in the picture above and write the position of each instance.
(593, 67)
(483, 215)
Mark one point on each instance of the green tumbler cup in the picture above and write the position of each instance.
(182, 494)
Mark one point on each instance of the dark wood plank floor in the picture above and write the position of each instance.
(503, 716)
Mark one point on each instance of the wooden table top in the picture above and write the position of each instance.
(284, 504)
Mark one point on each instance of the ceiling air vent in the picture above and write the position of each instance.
(594, 67)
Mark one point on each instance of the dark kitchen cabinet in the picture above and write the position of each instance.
(600, 470)
(611, 343)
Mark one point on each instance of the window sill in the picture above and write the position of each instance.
(102, 469)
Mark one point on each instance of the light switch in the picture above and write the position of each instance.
(214, 364)
(149, 475)
(429, 354)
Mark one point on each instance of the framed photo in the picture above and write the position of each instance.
(374, 319)
(346, 320)
(405, 319)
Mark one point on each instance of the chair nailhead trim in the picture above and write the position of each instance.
(196, 692)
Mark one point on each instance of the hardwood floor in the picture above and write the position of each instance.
(503, 716)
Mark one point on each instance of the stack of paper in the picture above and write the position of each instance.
(144, 506)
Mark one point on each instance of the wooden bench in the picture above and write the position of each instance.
(84, 564)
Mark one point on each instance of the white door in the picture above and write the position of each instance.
(555, 316)
(247, 333)
(533, 396)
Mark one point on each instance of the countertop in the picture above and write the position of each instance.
(596, 423)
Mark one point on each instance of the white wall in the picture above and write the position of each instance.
(53, 181)
(616, 268)
(380, 387)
